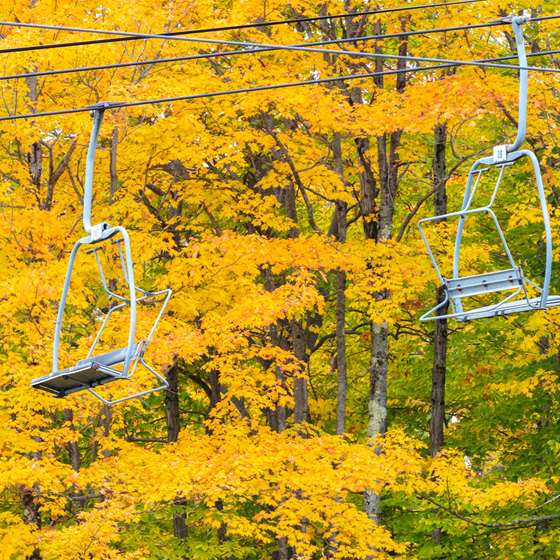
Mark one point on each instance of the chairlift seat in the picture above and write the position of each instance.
(86, 374)
(100, 369)
(511, 279)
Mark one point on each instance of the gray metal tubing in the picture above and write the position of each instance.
(164, 385)
(429, 249)
(428, 316)
(461, 225)
(104, 281)
(62, 303)
(103, 325)
(132, 298)
(111, 311)
(119, 249)
(462, 213)
(546, 223)
(497, 186)
(502, 237)
(90, 162)
(517, 24)
(475, 186)
(158, 318)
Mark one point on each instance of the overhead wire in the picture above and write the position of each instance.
(138, 35)
(192, 97)
(360, 54)
(172, 34)
(256, 47)
(220, 54)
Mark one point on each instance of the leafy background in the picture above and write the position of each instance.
(284, 221)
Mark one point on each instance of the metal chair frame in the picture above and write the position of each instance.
(99, 370)
(459, 287)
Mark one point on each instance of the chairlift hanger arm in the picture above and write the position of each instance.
(517, 24)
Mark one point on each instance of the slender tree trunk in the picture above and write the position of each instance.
(388, 162)
(300, 383)
(172, 412)
(437, 420)
(341, 364)
(283, 552)
(114, 184)
(32, 516)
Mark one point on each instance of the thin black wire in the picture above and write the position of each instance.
(238, 27)
(248, 51)
(117, 105)
(307, 48)
(272, 46)
(138, 35)
(199, 57)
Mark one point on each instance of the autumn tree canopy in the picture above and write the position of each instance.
(309, 413)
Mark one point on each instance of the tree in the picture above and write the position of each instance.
(299, 421)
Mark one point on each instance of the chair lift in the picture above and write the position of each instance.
(120, 364)
(458, 288)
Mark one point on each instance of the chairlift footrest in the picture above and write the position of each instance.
(517, 306)
(478, 284)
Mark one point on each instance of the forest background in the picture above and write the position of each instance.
(310, 414)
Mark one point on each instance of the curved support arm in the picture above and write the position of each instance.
(132, 299)
(62, 303)
(546, 223)
(517, 25)
(90, 163)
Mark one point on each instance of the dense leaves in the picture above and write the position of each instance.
(284, 221)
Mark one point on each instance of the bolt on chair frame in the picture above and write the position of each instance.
(99, 370)
(511, 280)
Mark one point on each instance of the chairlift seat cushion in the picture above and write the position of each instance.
(478, 284)
(87, 373)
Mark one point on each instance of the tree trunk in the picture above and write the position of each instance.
(300, 383)
(341, 209)
(377, 406)
(172, 404)
(32, 516)
(72, 446)
(388, 162)
(173, 416)
(437, 420)
(114, 183)
(341, 364)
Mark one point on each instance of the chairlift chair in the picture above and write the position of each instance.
(119, 364)
(459, 289)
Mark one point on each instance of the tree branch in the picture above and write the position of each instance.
(523, 522)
